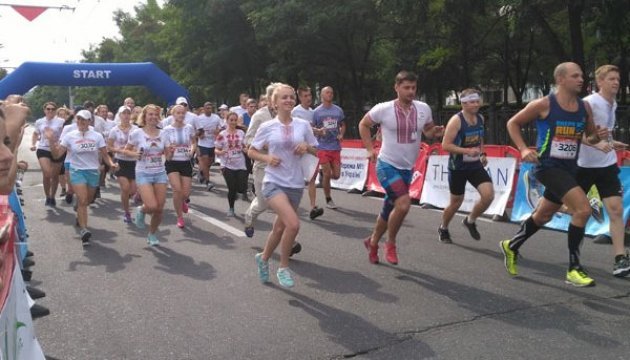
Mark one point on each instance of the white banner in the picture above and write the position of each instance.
(354, 169)
(436, 192)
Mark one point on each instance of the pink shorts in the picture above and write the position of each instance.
(329, 156)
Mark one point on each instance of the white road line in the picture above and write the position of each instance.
(232, 230)
(435, 210)
(31, 186)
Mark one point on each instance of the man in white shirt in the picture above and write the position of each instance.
(402, 121)
(597, 165)
(241, 108)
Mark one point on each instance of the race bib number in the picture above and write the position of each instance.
(154, 161)
(234, 152)
(564, 148)
(330, 124)
(182, 150)
(85, 147)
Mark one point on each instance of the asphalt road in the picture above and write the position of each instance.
(197, 295)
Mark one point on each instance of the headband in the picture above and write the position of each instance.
(470, 97)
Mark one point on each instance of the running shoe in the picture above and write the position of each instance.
(472, 228)
(249, 231)
(316, 212)
(210, 186)
(63, 192)
(152, 240)
(622, 267)
(97, 194)
(139, 219)
(137, 200)
(53, 202)
(245, 197)
(263, 268)
(578, 277)
(185, 207)
(331, 204)
(510, 257)
(180, 222)
(533, 189)
(297, 247)
(127, 218)
(597, 208)
(444, 236)
(47, 203)
(284, 278)
(68, 198)
(390, 253)
(230, 213)
(85, 236)
(372, 250)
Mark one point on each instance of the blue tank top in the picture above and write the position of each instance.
(559, 136)
(469, 136)
(246, 119)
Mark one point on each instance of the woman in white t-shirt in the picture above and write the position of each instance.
(287, 140)
(180, 139)
(126, 174)
(230, 147)
(147, 145)
(84, 145)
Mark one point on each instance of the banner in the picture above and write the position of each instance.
(436, 191)
(529, 191)
(354, 169)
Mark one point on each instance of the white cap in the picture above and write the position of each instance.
(223, 107)
(123, 108)
(84, 114)
(181, 100)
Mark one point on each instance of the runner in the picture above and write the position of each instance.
(241, 108)
(561, 120)
(207, 127)
(598, 163)
(230, 147)
(246, 118)
(400, 121)
(463, 139)
(286, 139)
(303, 111)
(51, 166)
(181, 143)
(148, 146)
(126, 174)
(329, 127)
(189, 118)
(64, 113)
(84, 146)
(258, 205)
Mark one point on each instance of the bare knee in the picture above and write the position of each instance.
(402, 205)
(582, 212)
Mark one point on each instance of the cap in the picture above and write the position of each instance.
(123, 109)
(84, 114)
(181, 100)
(223, 107)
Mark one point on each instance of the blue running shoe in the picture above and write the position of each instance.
(284, 278)
(152, 240)
(139, 219)
(263, 268)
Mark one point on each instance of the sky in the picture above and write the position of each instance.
(56, 36)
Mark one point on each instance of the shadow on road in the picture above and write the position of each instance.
(175, 263)
(99, 255)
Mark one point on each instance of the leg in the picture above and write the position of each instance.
(176, 185)
(204, 166)
(159, 191)
(401, 208)
(81, 191)
(47, 174)
(451, 209)
(54, 180)
(577, 202)
(230, 180)
(486, 191)
(326, 176)
(259, 204)
(125, 187)
(288, 230)
(614, 208)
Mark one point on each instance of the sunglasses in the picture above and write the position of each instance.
(50, 109)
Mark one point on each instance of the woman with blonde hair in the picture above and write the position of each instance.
(147, 145)
(126, 174)
(287, 140)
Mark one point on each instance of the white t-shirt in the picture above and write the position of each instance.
(281, 141)
(603, 116)
(109, 125)
(238, 110)
(71, 127)
(182, 138)
(83, 149)
(189, 118)
(40, 129)
(300, 112)
(401, 132)
(209, 124)
(100, 124)
(121, 138)
(234, 144)
(152, 148)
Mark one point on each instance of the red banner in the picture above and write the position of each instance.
(29, 12)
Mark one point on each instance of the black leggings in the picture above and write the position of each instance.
(236, 181)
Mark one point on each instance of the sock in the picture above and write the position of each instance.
(528, 228)
(575, 235)
(328, 199)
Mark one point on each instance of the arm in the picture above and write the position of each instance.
(535, 109)
(252, 129)
(15, 122)
(366, 136)
(342, 131)
(452, 128)
(34, 140)
(107, 158)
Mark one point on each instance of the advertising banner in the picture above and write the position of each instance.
(354, 169)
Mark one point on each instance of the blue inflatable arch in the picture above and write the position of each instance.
(31, 74)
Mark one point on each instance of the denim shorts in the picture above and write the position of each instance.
(270, 190)
(85, 177)
(143, 178)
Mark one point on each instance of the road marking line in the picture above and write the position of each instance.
(436, 210)
(31, 186)
(232, 230)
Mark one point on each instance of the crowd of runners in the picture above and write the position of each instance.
(262, 144)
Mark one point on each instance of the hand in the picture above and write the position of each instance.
(604, 146)
(473, 152)
(322, 131)
(114, 167)
(602, 132)
(438, 131)
(33, 148)
(529, 155)
(301, 149)
(618, 145)
(484, 160)
(339, 137)
(273, 160)
(372, 155)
